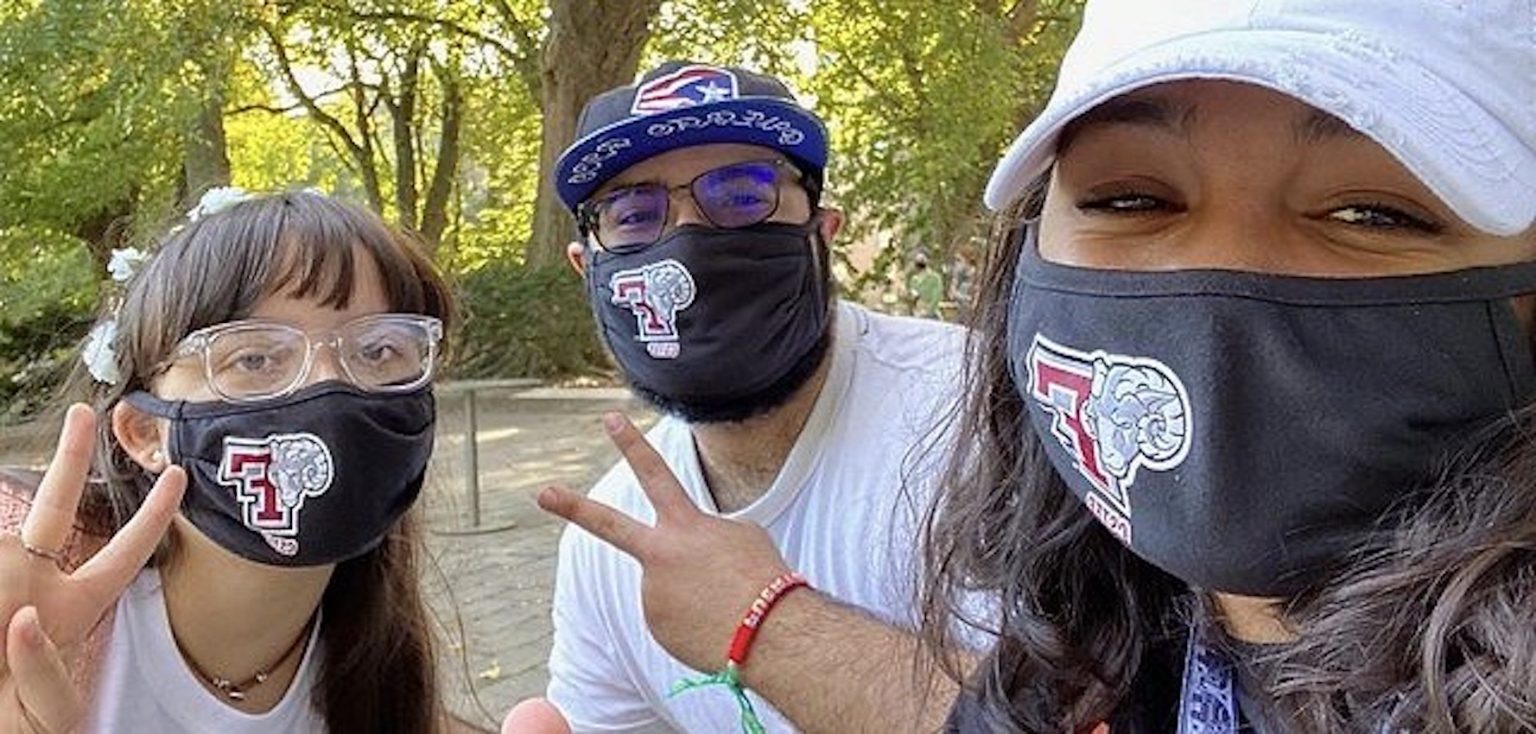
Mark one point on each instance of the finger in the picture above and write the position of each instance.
(52, 517)
(48, 697)
(102, 579)
(618, 529)
(535, 716)
(655, 477)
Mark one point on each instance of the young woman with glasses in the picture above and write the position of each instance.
(262, 414)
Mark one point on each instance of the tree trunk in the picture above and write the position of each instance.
(362, 149)
(205, 162)
(106, 230)
(434, 211)
(592, 46)
(402, 113)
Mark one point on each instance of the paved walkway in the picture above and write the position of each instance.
(490, 586)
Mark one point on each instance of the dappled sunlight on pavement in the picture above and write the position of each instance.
(491, 584)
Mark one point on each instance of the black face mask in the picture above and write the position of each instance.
(1243, 431)
(716, 324)
(313, 478)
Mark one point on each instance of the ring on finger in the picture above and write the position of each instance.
(57, 556)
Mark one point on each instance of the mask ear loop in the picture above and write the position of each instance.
(821, 258)
(594, 291)
(812, 181)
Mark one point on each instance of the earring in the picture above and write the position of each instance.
(157, 456)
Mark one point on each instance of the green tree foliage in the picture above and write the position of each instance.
(445, 115)
(100, 102)
(923, 96)
(47, 289)
(526, 321)
(387, 93)
(920, 98)
(96, 98)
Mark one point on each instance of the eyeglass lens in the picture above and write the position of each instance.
(738, 195)
(268, 359)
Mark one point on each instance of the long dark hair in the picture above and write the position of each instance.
(1077, 613)
(1430, 626)
(379, 669)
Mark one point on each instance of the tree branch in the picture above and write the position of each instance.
(526, 64)
(452, 27)
(362, 111)
(402, 112)
(310, 105)
(242, 109)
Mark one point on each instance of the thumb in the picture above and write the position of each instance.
(535, 716)
(43, 686)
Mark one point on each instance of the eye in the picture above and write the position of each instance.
(1125, 203)
(630, 208)
(746, 197)
(633, 216)
(748, 185)
(740, 197)
(1382, 217)
(253, 361)
(378, 352)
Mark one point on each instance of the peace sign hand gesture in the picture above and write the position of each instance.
(48, 607)
(700, 571)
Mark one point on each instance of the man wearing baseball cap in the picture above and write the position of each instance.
(776, 514)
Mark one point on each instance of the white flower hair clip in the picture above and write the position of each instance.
(217, 200)
(99, 356)
(125, 262)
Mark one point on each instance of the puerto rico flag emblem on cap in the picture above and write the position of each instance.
(686, 87)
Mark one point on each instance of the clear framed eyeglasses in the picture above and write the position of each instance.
(251, 360)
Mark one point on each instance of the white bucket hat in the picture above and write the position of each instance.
(1447, 86)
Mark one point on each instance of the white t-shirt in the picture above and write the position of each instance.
(836, 511)
(146, 686)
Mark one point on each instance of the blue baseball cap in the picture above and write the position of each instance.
(680, 104)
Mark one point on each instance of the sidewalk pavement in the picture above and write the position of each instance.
(491, 586)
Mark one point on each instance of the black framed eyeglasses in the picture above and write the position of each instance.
(738, 195)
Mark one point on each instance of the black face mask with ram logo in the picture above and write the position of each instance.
(713, 324)
(312, 478)
(1244, 431)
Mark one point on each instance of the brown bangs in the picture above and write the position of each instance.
(319, 261)
(296, 243)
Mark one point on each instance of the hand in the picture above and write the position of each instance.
(535, 716)
(699, 572)
(70, 603)
(38, 697)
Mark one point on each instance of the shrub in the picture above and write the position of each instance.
(526, 322)
(47, 287)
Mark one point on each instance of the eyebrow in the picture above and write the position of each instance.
(1179, 118)
(1150, 112)
(1321, 126)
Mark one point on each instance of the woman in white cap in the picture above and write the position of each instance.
(1251, 414)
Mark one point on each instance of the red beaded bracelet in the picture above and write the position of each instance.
(741, 643)
(766, 599)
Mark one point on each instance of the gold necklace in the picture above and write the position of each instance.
(236, 691)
